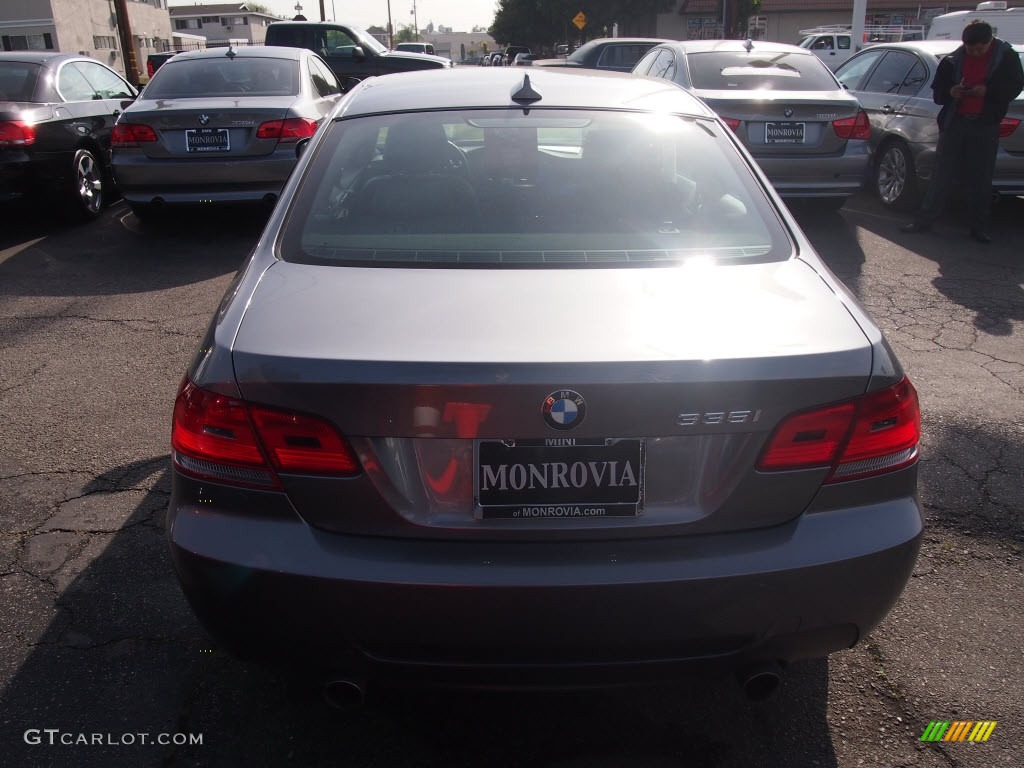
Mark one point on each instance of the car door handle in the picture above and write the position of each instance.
(888, 109)
(116, 112)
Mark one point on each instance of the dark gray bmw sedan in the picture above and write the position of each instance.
(533, 380)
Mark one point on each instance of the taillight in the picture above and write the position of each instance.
(1007, 126)
(732, 122)
(131, 135)
(150, 69)
(17, 133)
(287, 131)
(228, 440)
(876, 433)
(858, 127)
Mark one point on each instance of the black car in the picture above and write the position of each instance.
(352, 53)
(619, 54)
(156, 60)
(57, 111)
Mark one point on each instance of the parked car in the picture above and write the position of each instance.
(514, 50)
(893, 83)
(806, 132)
(617, 54)
(352, 53)
(525, 59)
(156, 60)
(416, 48)
(57, 112)
(831, 43)
(216, 127)
(388, 461)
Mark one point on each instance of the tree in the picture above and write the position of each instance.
(406, 34)
(260, 8)
(540, 22)
(744, 10)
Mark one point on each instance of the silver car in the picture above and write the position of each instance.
(893, 83)
(807, 133)
(533, 380)
(220, 126)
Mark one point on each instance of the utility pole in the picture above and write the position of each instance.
(391, 29)
(323, 11)
(415, 22)
(860, 10)
(124, 33)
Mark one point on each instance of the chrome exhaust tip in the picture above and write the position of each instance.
(761, 681)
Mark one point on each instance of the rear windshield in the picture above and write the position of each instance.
(754, 71)
(18, 80)
(220, 75)
(551, 188)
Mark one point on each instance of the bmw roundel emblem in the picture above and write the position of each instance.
(204, 119)
(788, 111)
(564, 409)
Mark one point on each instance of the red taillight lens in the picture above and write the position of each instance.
(1007, 126)
(858, 127)
(876, 433)
(149, 68)
(16, 133)
(285, 131)
(131, 135)
(225, 439)
(732, 122)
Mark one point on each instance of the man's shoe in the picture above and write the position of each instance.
(916, 226)
(981, 236)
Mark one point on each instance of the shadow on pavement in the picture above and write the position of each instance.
(835, 240)
(985, 279)
(122, 654)
(117, 254)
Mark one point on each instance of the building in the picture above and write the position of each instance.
(781, 20)
(380, 35)
(86, 27)
(222, 23)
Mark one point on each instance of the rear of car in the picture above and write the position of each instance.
(19, 82)
(807, 133)
(539, 396)
(219, 127)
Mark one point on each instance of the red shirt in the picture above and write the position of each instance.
(975, 70)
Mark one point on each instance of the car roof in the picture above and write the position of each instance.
(739, 46)
(42, 57)
(473, 88)
(246, 51)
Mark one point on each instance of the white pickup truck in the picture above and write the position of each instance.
(833, 44)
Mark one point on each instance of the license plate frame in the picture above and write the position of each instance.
(801, 127)
(607, 490)
(193, 133)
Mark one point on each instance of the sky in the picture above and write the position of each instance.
(462, 15)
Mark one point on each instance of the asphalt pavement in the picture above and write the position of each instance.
(100, 657)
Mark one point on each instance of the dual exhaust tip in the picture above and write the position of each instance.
(759, 682)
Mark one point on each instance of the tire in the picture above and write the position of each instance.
(894, 179)
(89, 186)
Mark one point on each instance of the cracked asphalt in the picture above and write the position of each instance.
(97, 324)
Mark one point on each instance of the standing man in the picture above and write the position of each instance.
(975, 85)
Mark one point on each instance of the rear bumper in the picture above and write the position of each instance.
(201, 180)
(818, 176)
(547, 613)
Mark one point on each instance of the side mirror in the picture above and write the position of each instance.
(358, 53)
(300, 148)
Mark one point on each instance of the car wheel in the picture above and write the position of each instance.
(89, 185)
(895, 176)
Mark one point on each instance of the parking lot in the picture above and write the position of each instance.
(97, 325)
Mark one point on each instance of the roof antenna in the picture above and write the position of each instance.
(749, 45)
(231, 51)
(526, 93)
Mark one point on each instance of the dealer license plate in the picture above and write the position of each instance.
(207, 140)
(784, 133)
(570, 478)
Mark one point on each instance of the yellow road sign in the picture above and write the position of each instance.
(580, 20)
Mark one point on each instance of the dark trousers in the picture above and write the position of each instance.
(966, 153)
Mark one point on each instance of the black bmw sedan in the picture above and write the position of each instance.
(57, 112)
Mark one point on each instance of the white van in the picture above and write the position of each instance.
(1007, 23)
(416, 48)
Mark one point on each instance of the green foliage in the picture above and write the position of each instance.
(259, 8)
(744, 10)
(406, 34)
(540, 23)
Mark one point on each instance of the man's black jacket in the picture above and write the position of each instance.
(1005, 79)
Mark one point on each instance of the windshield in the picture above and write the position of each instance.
(367, 40)
(581, 53)
(554, 188)
(18, 80)
(756, 71)
(219, 75)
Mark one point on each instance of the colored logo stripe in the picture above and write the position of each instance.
(958, 730)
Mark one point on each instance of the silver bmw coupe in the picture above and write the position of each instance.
(533, 380)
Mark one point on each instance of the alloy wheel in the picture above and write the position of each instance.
(90, 182)
(892, 175)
